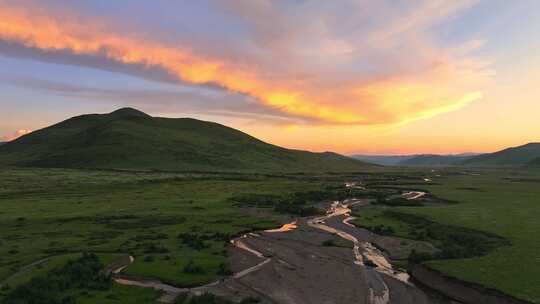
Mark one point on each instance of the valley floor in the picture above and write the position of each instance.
(178, 227)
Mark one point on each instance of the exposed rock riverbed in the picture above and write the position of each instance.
(290, 265)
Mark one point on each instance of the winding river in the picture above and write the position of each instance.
(364, 253)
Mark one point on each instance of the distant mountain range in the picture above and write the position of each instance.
(522, 156)
(415, 160)
(385, 160)
(130, 139)
(437, 160)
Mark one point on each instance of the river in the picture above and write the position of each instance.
(372, 262)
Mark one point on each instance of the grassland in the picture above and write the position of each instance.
(171, 220)
(48, 216)
(501, 202)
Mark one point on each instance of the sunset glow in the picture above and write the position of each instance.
(15, 135)
(345, 80)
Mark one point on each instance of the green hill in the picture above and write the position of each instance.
(130, 139)
(511, 157)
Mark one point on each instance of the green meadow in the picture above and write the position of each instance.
(166, 221)
(504, 203)
(177, 225)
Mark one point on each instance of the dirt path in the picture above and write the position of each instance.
(24, 270)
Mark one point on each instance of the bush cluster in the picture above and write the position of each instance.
(192, 268)
(208, 298)
(453, 242)
(193, 240)
(85, 273)
(298, 203)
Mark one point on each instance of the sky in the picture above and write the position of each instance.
(351, 76)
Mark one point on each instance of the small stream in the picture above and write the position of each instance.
(170, 292)
(364, 252)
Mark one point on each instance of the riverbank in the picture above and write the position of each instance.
(459, 290)
(291, 265)
(168, 221)
(267, 265)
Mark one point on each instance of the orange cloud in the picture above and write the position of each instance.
(16, 135)
(448, 82)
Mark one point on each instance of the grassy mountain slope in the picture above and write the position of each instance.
(535, 163)
(511, 157)
(130, 139)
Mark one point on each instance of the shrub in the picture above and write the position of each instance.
(328, 243)
(181, 298)
(224, 270)
(208, 298)
(453, 242)
(193, 240)
(149, 258)
(250, 300)
(383, 230)
(154, 248)
(419, 257)
(191, 268)
(85, 273)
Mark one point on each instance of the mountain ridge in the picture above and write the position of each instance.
(384, 160)
(130, 139)
(436, 160)
(415, 159)
(519, 156)
(510, 157)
